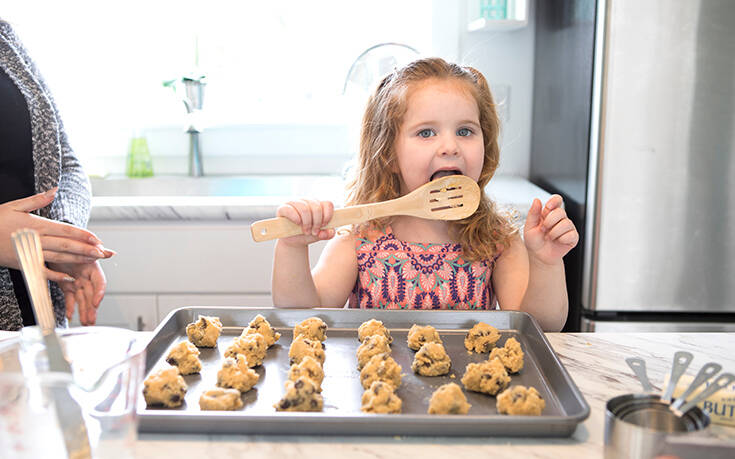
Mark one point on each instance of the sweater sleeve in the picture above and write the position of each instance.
(73, 200)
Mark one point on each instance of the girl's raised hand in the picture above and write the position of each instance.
(549, 234)
(311, 215)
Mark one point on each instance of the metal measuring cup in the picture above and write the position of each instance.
(637, 425)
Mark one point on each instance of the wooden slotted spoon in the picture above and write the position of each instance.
(448, 198)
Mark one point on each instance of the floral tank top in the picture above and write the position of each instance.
(393, 274)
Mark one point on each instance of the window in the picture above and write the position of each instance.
(275, 73)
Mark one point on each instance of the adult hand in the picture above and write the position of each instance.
(86, 292)
(549, 234)
(61, 242)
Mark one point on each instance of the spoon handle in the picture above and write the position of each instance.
(638, 365)
(705, 373)
(681, 361)
(719, 383)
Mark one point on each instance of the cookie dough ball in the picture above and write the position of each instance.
(381, 367)
(373, 345)
(165, 387)
(310, 368)
(301, 395)
(185, 356)
(373, 327)
(381, 398)
(488, 377)
(312, 328)
(448, 399)
(431, 360)
(236, 374)
(260, 325)
(220, 399)
(418, 336)
(302, 347)
(253, 347)
(481, 338)
(520, 400)
(205, 331)
(511, 355)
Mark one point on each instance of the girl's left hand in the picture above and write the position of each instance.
(549, 234)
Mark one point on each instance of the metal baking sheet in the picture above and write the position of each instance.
(342, 391)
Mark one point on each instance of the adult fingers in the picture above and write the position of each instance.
(82, 298)
(72, 246)
(99, 285)
(91, 310)
(48, 227)
(69, 301)
(58, 277)
(35, 202)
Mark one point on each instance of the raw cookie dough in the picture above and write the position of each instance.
(301, 347)
(511, 355)
(185, 356)
(520, 400)
(431, 360)
(220, 399)
(165, 387)
(205, 331)
(373, 327)
(236, 374)
(373, 345)
(481, 338)
(380, 398)
(418, 336)
(301, 395)
(383, 368)
(312, 328)
(448, 399)
(310, 368)
(488, 377)
(251, 346)
(260, 325)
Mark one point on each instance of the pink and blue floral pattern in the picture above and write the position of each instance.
(393, 274)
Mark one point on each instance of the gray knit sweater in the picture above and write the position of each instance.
(54, 164)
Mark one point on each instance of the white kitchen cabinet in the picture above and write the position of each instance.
(136, 312)
(187, 257)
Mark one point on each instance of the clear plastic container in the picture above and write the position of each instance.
(108, 366)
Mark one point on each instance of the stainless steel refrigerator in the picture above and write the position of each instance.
(634, 124)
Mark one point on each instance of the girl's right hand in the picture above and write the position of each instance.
(311, 215)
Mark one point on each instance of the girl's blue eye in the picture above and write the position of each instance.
(425, 133)
(464, 132)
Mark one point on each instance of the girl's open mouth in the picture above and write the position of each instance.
(444, 173)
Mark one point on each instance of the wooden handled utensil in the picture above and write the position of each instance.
(448, 198)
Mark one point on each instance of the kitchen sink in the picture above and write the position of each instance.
(262, 185)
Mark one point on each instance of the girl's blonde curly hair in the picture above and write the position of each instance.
(483, 234)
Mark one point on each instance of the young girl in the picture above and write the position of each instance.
(424, 121)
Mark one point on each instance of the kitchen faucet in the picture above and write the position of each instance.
(193, 102)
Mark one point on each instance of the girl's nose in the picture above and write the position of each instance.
(448, 146)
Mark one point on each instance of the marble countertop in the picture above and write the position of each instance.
(247, 198)
(596, 362)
